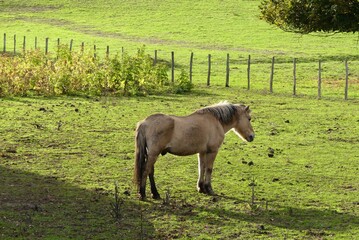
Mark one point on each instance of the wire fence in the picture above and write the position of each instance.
(15, 45)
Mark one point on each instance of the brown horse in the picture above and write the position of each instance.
(201, 132)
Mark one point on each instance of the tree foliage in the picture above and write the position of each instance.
(306, 16)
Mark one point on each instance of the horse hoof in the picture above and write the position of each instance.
(141, 197)
(211, 193)
(156, 196)
(201, 190)
(208, 190)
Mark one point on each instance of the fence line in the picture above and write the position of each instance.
(346, 80)
(172, 66)
(294, 76)
(249, 73)
(191, 67)
(209, 70)
(227, 78)
(271, 77)
(320, 80)
(227, 71)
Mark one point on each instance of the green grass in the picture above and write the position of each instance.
(60, 157)
(202, 27)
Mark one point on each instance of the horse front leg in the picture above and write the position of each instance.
(208, 173)
(201, 169)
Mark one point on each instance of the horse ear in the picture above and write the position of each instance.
(247, 109)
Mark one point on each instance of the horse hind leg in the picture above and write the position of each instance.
(155, 194)
(149, 171)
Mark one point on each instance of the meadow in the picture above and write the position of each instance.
(204, 27)
(60, 157)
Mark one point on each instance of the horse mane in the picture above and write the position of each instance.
(223, 111)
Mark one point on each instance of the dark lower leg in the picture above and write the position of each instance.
(208, 189)
(207, 183)
(142, 192)
(200, 187)
(155, 194)
(142, 187)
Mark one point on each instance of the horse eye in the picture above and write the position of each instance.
(250, 119)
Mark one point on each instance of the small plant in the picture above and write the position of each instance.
(253, 204)
(166, 200)
(116, 206)
(183, 84)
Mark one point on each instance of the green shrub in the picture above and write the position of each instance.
(35, 73)
(183, 84)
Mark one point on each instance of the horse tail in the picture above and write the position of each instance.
(140, 153)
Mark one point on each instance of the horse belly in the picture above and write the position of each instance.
(180, 150)
(188, 141)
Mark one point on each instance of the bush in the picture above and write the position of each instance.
(35, 73)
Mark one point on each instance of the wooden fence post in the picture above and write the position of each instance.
(155, 59)
(107, 51)
(209, 71)
(320, 79)
(271, 77)
(46, 45)
(94, 51)
(58, 48)
(227, 71)
(172, 66)
(24, 45)
(4, 50)
(71, 42)
(294, 76)
(82, 47)
(14, 44)
(346, 79)
(190, 67)
(249, 72)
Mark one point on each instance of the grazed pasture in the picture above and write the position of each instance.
(60, 158)
(202, 27)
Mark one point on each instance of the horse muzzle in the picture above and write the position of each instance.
(250, 138)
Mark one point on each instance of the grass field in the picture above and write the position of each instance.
(204, 27)
(60, 157)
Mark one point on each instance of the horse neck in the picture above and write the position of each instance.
(227, 127)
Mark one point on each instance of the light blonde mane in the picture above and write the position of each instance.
(223, 111)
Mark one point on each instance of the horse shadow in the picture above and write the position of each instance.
(312, 220)
(33, 206)
(295, 218)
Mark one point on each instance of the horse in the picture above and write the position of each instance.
(201, 132)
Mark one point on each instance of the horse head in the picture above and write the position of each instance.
(243, 127)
